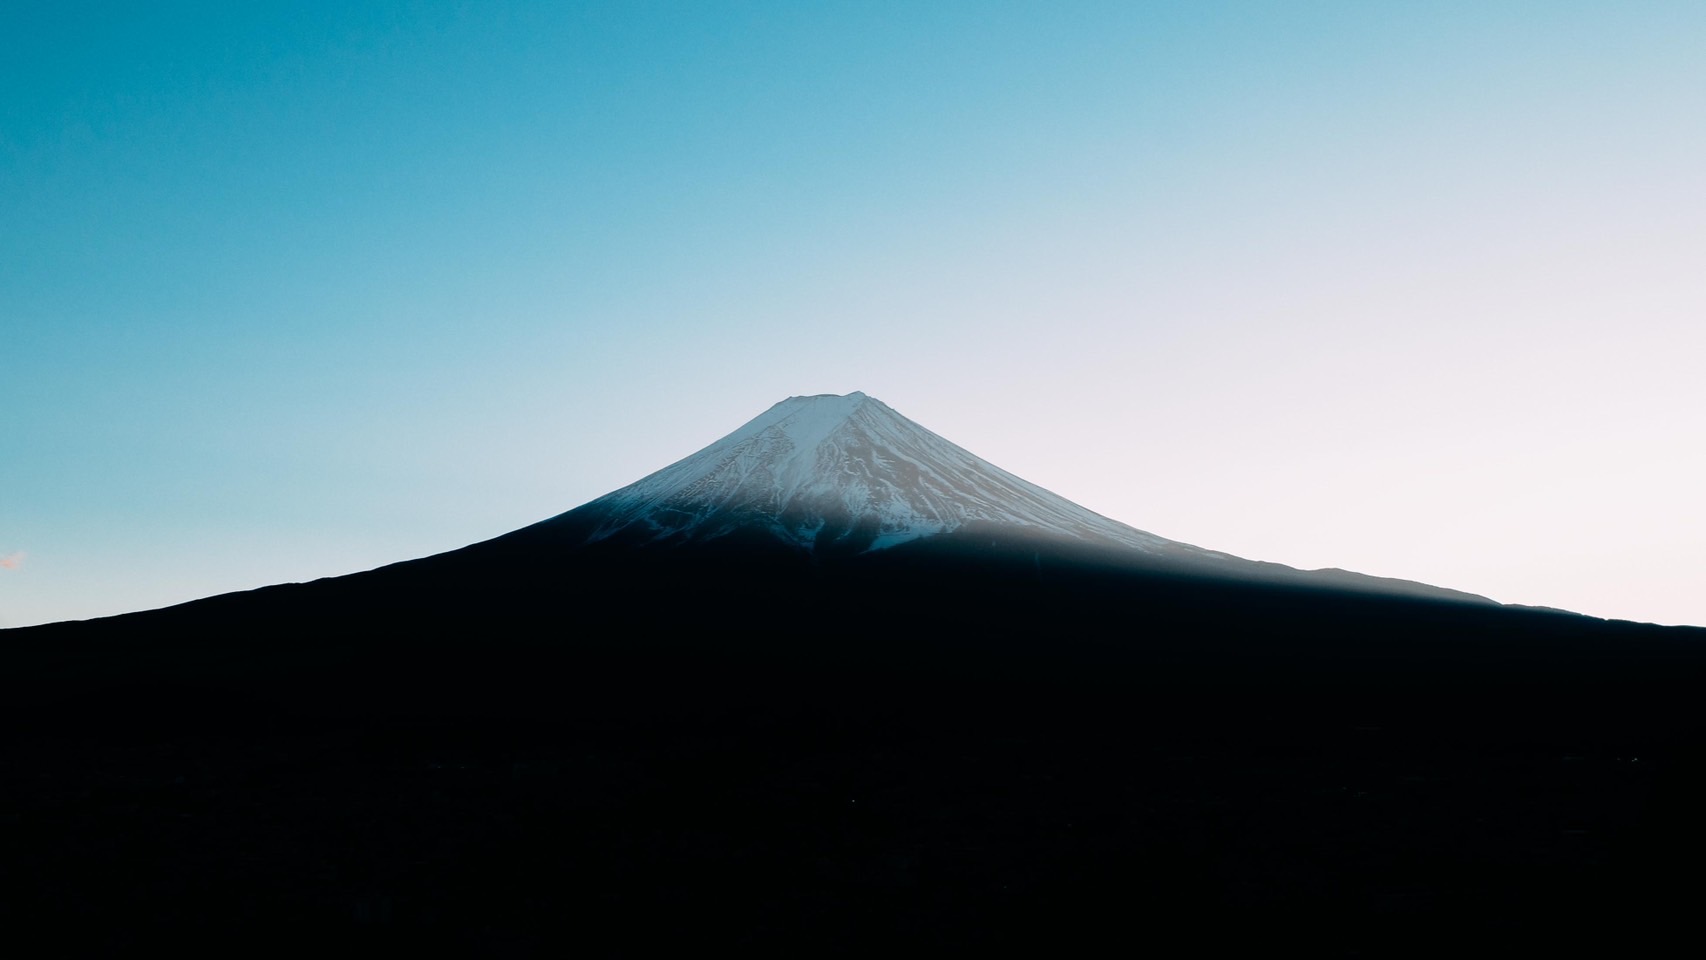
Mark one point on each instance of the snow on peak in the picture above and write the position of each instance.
(832, 469)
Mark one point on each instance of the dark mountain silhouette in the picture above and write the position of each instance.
(835, 686)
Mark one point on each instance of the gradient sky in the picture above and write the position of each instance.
(290, 290)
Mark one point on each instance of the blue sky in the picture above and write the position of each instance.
(292, 290)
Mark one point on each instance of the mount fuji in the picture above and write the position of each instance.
(832, 476)
(835, 686)
(844, 472)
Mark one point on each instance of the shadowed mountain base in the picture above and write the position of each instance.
(519, 750)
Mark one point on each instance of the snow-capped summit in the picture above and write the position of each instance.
(843, 471)
(846, 474)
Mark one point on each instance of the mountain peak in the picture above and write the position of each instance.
(804, 422)
(842, 471)
(853, 397)
(845, 474)
(835, 475)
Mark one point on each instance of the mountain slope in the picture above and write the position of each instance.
(842, 471)
(836, 476)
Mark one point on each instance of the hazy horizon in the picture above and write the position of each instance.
(295, 290)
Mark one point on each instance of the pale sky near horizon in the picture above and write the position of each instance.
(291, 290)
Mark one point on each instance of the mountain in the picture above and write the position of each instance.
(830, 473)
(833, 686)
(833, 476)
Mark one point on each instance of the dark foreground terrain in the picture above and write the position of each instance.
(519, 751)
